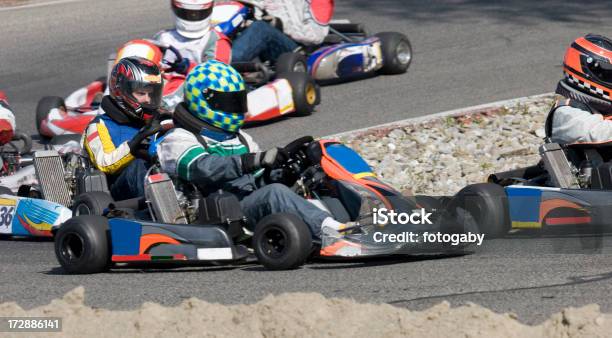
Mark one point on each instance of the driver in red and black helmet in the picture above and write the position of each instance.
(113, 140)
(583, 113)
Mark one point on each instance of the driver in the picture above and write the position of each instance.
(7, 120)
(193, 35)
(113, 139)
(213, 152)
(583, 114)
(283, 25)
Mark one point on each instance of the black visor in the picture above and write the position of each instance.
(229, 102)
(192, 14)
(600, 69)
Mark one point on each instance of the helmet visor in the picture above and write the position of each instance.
(192, 14)
(147, 94)
(228, 102)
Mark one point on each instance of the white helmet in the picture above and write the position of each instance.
(192, 17)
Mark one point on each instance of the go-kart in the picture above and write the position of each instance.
(347, 53)
(173, 223)
(570, 187)
(27, 214)
(269, 98)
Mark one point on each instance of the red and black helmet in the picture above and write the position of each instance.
(133, 75)
(587, 66)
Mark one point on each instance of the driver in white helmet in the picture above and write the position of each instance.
(193, 35)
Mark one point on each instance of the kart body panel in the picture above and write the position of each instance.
(346, 60)
(533, 207)
(30, 217)
(142, 241)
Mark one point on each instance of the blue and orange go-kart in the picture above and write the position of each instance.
(347, 53)
(175, 224)
(570, 188)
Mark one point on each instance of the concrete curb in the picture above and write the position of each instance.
(487, 107)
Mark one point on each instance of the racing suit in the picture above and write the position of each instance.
(212, 160)
(303, 21)
(7, 121)
(213, 45)
(571, 121)
(106, 141)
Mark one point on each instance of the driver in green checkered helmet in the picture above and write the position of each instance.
(208, 147)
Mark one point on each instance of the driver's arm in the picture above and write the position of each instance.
(105, 155)
(573, 125)
(180, 154)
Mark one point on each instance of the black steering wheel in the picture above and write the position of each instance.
(295, 161)
(178, 57)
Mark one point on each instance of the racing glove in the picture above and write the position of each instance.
(135, 143)
(181, 67)
(270, 159)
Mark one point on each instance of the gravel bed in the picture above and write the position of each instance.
(442, 155)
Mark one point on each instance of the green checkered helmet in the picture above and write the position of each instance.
(216, 94)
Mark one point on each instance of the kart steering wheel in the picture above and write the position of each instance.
(178, 58)
(294, 153)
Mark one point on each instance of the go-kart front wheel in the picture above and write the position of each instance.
(282, 242)
(82, 245)
(396, 52)
(44, 107)
(488, 205)
(305, 92)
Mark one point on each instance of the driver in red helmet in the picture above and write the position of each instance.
(583, 113)
(7, 120)
(113, 140)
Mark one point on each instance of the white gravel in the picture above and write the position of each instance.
(442, 155)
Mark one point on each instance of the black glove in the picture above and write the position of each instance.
(181, 67)
(150, 129)
(270, 159)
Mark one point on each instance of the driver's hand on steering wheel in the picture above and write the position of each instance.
(269, 159)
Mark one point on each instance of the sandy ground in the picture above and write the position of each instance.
(304, 315)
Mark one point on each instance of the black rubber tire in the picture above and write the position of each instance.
(428, 202)
(389, 44)
(6, 191)
(488, 205)
(91, 203)
(44, 106)
(82, 245)
(291, 63)
(294, 237)
(26, 139)
(306, 92)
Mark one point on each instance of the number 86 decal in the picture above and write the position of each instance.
(6, 216)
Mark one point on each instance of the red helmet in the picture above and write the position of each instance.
(136, 75)
(142, 48)
(587, 66)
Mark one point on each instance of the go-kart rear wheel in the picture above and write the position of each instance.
(82, 245)
(488, 205)
(291, 62)
(282, 242)
(42, 110)
(306, 93)
(396, 52)
(91, 203)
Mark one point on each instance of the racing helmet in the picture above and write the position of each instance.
(216, 94)
(192, 17)
(143, 48)
(587, 67)
(136, 74)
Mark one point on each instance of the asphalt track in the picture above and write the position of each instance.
(467, 52)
